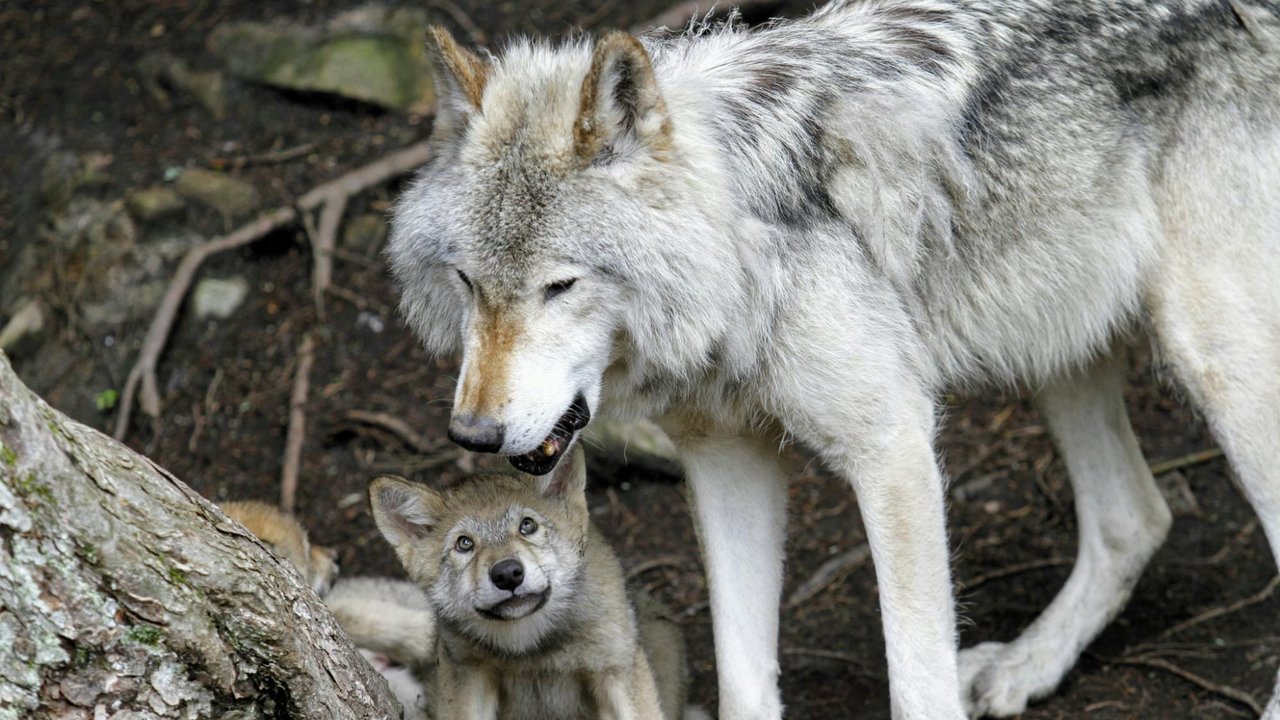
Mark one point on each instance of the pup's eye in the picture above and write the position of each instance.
(465, 280)
(528, 526)
(559, 288)
(464, 544)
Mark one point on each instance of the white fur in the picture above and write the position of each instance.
(970, 226)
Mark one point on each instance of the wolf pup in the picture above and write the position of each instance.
(533, 618)
(812, 231)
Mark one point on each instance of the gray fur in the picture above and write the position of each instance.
(828, 222)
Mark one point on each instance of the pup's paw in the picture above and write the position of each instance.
(993, 680)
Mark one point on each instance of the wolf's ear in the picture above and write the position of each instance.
(405, 512)
(569, 479)
(460, 77)
(620, 101)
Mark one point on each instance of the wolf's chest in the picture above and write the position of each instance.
(544, 696)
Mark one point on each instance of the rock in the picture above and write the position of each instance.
(24, 331)
(1178, 495)
(365, 233)
(230, 196)
(218, 297)
(154, 203)
(162, 72)
(641, 444)
(373, 54)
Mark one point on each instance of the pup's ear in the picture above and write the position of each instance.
(569, 479)
(460, 77)
(620, 101)
(404, 512)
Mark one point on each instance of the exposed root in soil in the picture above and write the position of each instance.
(331, 201)
(1225, 691)
(297, 425)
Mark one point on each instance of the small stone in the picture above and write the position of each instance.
(219, 297)
(1178, 495)
(154, 203)
(25, 329)
(162, 72)
(372, 54)
(230, 196)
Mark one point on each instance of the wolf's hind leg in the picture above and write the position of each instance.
(1122, 520)
(739, 503)
(1216, 320)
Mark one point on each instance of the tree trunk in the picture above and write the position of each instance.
(125, 594)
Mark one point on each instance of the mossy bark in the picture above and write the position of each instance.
(125, 594)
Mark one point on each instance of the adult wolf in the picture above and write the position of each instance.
(805, 233)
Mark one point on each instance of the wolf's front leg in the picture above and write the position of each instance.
(738, 495)
(466, 693)
(900, 496)
(872, 422)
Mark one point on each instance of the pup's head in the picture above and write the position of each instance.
(498, 555)
(540, 236)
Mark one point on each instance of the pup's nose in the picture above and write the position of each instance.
(507, 575)
(479, 434)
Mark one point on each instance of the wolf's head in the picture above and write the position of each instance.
(499, 556)
(560, 227)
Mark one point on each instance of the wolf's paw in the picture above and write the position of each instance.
(993, 680)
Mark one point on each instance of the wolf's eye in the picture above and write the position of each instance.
(464, 544)
(556, 289)
(528, 526)
(465, 280)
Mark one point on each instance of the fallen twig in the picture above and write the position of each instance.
(1267, 591)
(144, 369)
(830, 572)
(655, 563)
(1195, 458)
(394, 425)
(1016, 569)
(143, 372)
(297, 425)
(1225, 691)
(332, 197)
(857, 662)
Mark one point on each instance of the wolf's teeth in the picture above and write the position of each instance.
(548, 448)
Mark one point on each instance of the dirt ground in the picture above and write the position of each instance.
(68, 78)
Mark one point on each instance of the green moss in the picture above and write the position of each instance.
(31, 488)
(82, 656)
(89, 552)
(146, 634)
(177, 577)
(9, 457)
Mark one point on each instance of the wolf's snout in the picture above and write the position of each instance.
(478, 434)
(507, 575)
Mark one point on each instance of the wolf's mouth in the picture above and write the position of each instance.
(516, 607)
(543, 458)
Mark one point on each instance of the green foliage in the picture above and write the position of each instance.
(107, 399)
(146, 634)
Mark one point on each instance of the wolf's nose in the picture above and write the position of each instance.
(507, 575)
(478, 434)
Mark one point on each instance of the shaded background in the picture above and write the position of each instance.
(131, 131)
